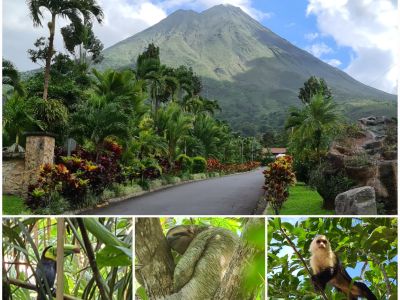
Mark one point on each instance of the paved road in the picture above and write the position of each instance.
(230, 195)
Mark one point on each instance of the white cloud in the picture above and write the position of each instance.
(333, 62)
(122, 19)
(311, 36)
(319, 49)
(370, 28)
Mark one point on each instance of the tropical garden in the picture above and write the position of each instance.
(307, 180)
(135, 129)
(367, 248)
(67, 258)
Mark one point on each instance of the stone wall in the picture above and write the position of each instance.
(13, 176)
(19, 171)
(39, 150)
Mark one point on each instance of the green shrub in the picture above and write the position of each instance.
(172, 179)
(198, 176)
(329, 183)
(183, 163)
(107, 194)
(358, 161)
(56, 205)
(144, 184)
(199, 164)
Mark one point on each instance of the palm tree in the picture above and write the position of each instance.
(122, 88)
(313, 124)
(11, 77)
(206, 130)
(174, 125)
(68, 9)
(97, 119)
(17, 118)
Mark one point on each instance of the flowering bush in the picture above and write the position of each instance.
(278, 177)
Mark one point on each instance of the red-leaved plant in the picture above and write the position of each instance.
(278, 177)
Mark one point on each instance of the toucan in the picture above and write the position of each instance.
(48, 261)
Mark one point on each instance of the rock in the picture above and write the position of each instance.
(388, 178)
(369, 158)
(358, 201)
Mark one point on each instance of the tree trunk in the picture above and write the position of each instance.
(60, 259)
(155, 262)
(235, 279)
(52, 28)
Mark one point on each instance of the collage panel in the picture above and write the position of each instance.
(332, 258)
(200, 258)
(67, 258)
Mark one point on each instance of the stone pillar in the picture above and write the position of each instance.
(39, 150)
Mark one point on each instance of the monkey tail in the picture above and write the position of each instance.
(365, 291)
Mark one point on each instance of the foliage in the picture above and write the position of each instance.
(73, 177)
(360, 160)
(366, 245)
(199, 164)
(76, 12)
(49, 115)
(174, 124)
(312, 127)
(278, 177)
(183, 163)
(11, 77)
(312, 87)
(329, 183)
(213, 165)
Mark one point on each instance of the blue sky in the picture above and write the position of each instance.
(358, 36)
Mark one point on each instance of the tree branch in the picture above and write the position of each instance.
(92, 261)
(29, 286)
(302, 259)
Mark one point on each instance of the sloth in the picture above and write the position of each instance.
(206, 253)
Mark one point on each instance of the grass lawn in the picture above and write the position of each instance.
(302, 201)
(13, 205)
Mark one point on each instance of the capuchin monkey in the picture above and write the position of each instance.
(327, 268)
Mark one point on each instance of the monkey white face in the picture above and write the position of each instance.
(320, 242)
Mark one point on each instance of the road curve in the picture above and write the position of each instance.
(229, 195)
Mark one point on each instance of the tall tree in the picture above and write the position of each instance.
(75, 11)
(312, 87)
(313, 124)
(174, 125)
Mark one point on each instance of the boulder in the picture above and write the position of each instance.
(358, 201)
(369, 158)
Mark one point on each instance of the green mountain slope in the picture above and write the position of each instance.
(254, 73)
